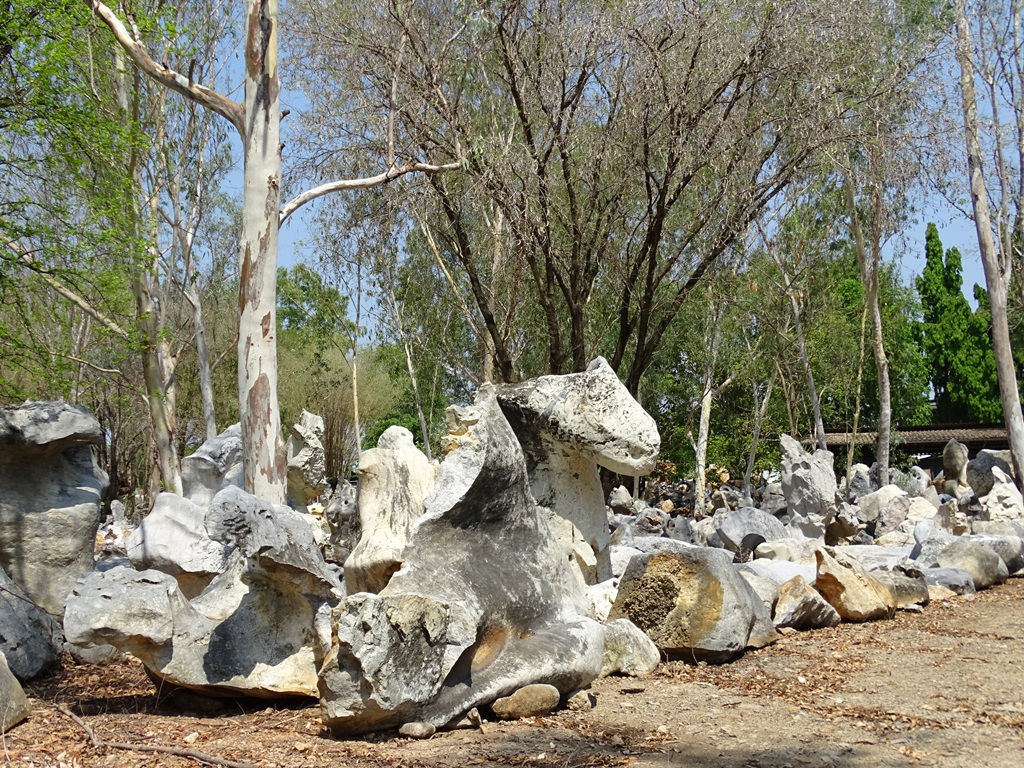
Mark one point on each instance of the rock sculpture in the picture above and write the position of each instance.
(217, 464)
(395, 478)
(30, 639)
(173, 539)
(50, 492)
(307, 477)
(259, 629)
(485, 603)
(568, 426)
(809, 485)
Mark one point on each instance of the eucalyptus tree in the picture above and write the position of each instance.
(258, 121)
(989, 49)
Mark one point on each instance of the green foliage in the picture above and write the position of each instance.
(961, 364)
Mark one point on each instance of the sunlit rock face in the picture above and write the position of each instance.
(570, 425)
(51, 487)
(486, 601)
(260, 628)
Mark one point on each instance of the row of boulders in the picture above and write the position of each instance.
(813, 552)
(499, 578)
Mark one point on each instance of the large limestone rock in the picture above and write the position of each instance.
(627, 650)
(486, 601)
(29, 637)
(938, 549)
(693, 604)
(13, 704)
(735, 528)
(215, 465)
(570, 425)
(395, 478)
(173, 539)
(307, 472)
(1003, 503)
(800, 606)
(809, 485)
(906, 583)
(978, 472)
(259, 629)
(50, 492)
(871, 504)
(850, 589)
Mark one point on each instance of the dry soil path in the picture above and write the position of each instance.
(942, 688)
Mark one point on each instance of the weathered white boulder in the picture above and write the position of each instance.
(30, 639)
(173, 539)
(693, 604)
(215, 465)
(936, 548)
(50, 492)
(14, 705)
(809, 485)
(628, 650)
(795, 549)
(259, 629)
(736, 528)
(781, 571)
(394, 480)
(568, 426)
(1004, 502)
(620, 557)
(601, 597)
(487, 599)
(906, 583)
(850, 589)
(801, 606)
(763, 587)
(978, 472)
(876, 557)
(892, 515)
(620, 500)
(871, 504)
(307, 467)
(1010, 549)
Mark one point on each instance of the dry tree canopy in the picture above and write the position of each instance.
(613, 153)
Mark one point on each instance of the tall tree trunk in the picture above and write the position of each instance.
(263, 446)
(870, 265)
(759, 413)
(852, 447)
(805, 359)
(704, 428)
(997, 271)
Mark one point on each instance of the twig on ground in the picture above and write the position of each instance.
(99, 743)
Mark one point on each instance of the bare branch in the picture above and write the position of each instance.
(366, 182)
(66, 292)
(222, 105)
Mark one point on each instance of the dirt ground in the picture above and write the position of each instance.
(940, 688)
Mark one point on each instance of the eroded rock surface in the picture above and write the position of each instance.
(50, 492)
(570, 425)
(259, 629)
(809, 485)
(486, 600)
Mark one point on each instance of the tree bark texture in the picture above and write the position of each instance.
(263, 447)
(997, 271)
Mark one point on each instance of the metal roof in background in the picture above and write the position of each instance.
(932, 438)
